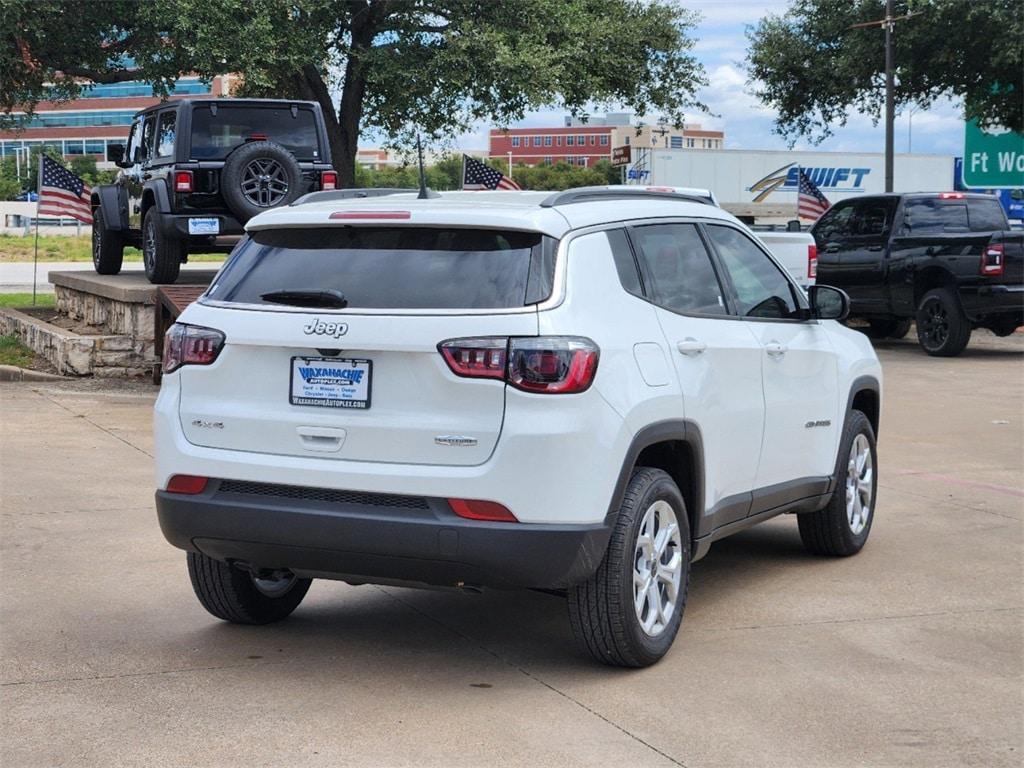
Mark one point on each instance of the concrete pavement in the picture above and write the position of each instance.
(16, 276)
(909, 654)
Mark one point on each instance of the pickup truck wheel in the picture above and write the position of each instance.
(107, 246)
(628, 613)
(842, 527)
(942, 328)
(161, 255)
(234, 595)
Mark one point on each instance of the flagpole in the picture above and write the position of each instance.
(462, 185)
(798, 191)
(35, 258)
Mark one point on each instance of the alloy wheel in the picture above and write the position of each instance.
(859, 483)
(935, 323)
(275, 584)
(657, 568)
(149, 246)
(264, 182)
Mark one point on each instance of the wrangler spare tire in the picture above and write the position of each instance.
(258, 176)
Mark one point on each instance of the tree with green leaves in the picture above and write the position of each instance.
(396, 67)
(815, 68)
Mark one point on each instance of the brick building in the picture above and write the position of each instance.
(584, 144)
(102, 115)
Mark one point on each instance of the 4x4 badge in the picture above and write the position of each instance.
(319, 328)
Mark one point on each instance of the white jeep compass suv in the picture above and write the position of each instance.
(577, 391)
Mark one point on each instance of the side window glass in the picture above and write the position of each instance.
(837, 223)
(761, 288)
(677, 269)
(624, 262)
(927, 216)
(165, 135)
(874, 219)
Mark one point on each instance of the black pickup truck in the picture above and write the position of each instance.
(945, 260)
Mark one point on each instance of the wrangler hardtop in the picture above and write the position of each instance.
(195, 170)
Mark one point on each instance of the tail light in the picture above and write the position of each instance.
(188, 484)
(812, 261)
(992, 259)
(951, 196)
(183, 181)
(328, 180)
(190, 345)
(555, 365)
(482, 510)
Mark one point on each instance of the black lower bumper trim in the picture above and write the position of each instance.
(372, 542)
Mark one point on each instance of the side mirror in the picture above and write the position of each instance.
(115, 153)
(828, 303)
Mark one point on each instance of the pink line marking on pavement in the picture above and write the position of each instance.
(966, 483)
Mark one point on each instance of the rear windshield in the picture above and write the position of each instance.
(215, 135)
(393, 268)
(954, 215)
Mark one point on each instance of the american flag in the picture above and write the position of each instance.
(62, 193)
(476, 175)
(810, 202)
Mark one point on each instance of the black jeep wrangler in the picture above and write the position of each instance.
(196, 170)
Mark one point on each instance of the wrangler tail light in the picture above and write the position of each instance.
(812, 261)
(328, 180)
(554, 365)
(183, 181)
(482, 510)
(190, 345)
(189, 484)
(992, 259)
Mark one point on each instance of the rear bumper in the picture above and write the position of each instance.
(422, 542)
(176, 226)
(988, 301)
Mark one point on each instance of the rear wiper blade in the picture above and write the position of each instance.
(330, 299)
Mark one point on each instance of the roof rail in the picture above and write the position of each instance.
(583, 194)
(350, 194)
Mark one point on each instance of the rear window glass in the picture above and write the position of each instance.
(393, 268)
(935, 216)
(986, 215)
(215, 135)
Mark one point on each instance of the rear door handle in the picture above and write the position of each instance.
(775, 349)
(691, 347)
(321, 439)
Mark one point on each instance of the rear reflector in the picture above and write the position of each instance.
(183, 181)
(482, 510)
(328, 180)
(188, 484)
(371, 215)
(992, 260)
(812, 261)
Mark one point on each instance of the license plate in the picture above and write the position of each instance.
(204, 226)
(330, 382)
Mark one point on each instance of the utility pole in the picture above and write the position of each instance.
(889, 23)
(890, 96)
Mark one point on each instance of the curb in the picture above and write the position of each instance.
(14, 373)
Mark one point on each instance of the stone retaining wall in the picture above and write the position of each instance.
(113, 316)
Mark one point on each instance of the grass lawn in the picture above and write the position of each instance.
(13, 352)
(71, 248)
(25, 299)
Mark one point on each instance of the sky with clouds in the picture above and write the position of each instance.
(721, 46)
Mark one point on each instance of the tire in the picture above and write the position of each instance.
(900, 328)
(231, 594)
(259, 176)
(887, 328)
(161, 255)
(601, 609)
(107, 246)
(942, 328)
(842, 528)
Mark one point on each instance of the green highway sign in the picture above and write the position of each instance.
(993, 157)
